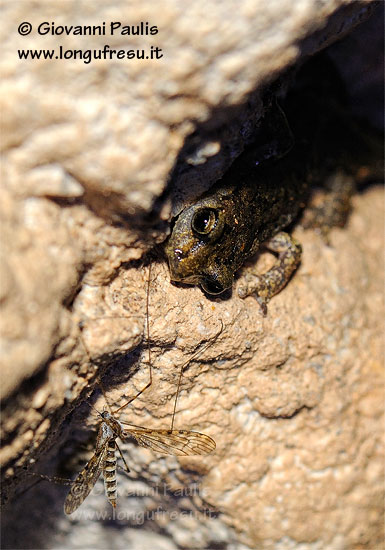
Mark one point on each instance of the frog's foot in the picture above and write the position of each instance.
(332, 207)
(265, 286)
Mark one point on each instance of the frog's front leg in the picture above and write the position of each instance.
(265, 286)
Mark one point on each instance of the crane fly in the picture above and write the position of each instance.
(173, 442)
(104, 460)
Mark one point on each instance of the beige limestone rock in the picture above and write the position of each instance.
(294, 400)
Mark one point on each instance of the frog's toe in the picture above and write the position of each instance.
(254, 285)
(246, 290)
(242, 292)
(263, 304)
(248, 285)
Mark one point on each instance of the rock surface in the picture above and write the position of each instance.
(294, 400)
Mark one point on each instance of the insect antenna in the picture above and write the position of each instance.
(94, 408)
(98, 379)
(148, 345)
(198, 352)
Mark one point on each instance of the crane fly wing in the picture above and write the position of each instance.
(83, 484)
(173, 442)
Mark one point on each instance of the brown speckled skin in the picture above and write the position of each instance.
(248, 214)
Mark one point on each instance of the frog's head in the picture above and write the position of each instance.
(196, 249)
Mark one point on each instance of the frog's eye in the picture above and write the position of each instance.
(204, 221)
(212, 287)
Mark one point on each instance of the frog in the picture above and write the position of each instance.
(212, 238)
(262, 194)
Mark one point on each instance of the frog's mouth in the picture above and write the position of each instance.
(208, 284)
(189, 280)
(212, 283)
(211, 286)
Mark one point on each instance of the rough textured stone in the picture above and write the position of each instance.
(293, 400)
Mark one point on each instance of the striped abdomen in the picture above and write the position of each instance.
(109, 472)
